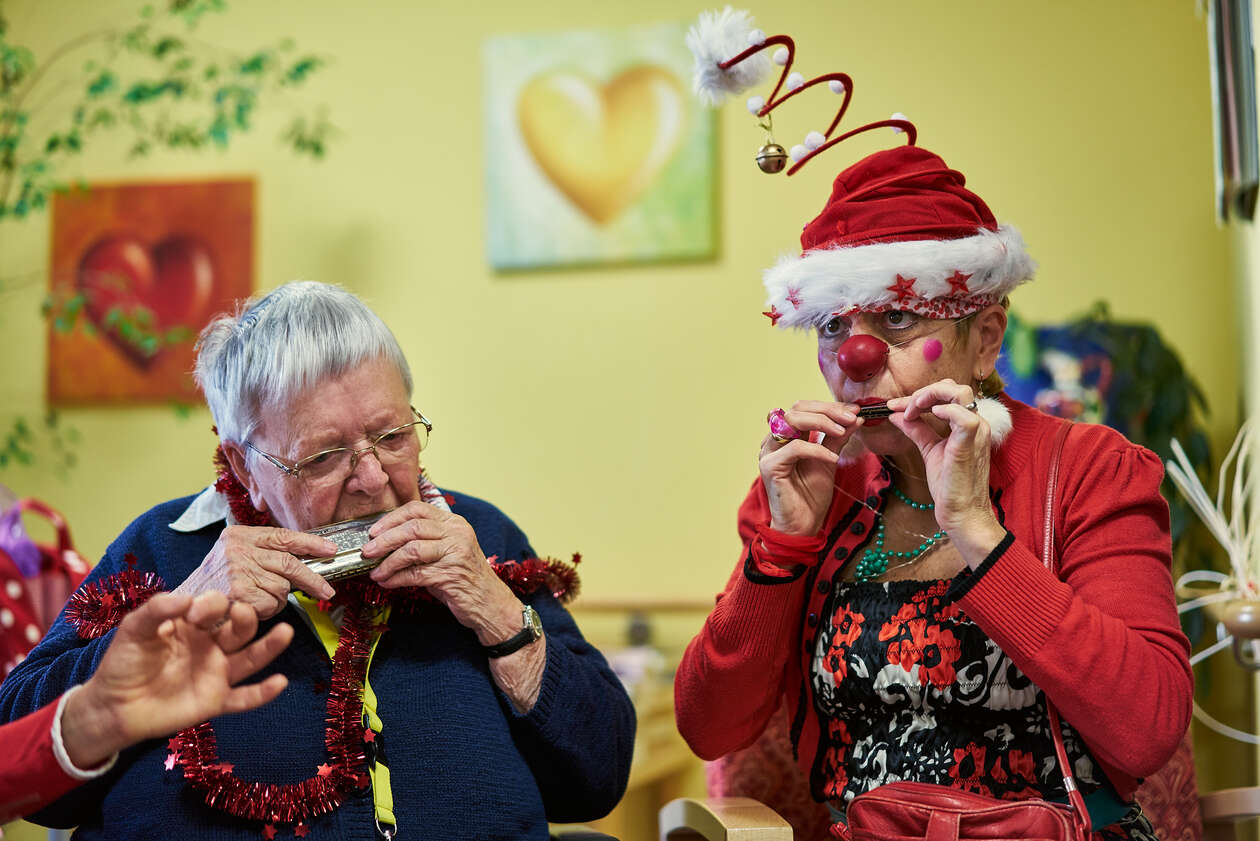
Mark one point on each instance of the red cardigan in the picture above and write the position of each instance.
(30, 775)
(1102, 640)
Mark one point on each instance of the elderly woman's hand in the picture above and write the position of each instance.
(954, 442)
(259, 565)
(424, 546)
(799, 475)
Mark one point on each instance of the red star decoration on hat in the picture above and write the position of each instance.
(325, 770)
(774, 315)
(369, 735)
(903, 288)
(225, 767)
(172, 745)
(130, 560)
(301, 831)
(269, 832)
(794, 297)
(958, 283)
(450, 500)
(171, 759)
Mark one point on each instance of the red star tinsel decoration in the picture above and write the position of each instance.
(774, 315)
(301, 831)
(317, 795)
(958, 283)
(98, 606)
(794, 297)
(269, 832)
(903, 288)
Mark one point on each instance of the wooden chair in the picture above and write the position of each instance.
(760, 794)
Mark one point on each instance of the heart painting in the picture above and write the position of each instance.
(595, 151)
(151, 291)
(142, 269)
(603, 145)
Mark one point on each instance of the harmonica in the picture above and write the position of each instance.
(878, 410)
(349, 535)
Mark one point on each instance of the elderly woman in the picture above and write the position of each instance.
(892, 590)
(445, 694)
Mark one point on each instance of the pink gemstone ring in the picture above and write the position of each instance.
(780, 429)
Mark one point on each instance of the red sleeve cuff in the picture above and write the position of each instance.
(781, 557)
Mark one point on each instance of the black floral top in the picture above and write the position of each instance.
(909, 688)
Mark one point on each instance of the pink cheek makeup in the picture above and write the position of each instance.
(932, 349)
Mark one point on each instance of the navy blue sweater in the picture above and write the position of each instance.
(463, 763)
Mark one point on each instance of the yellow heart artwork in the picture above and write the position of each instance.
(602, 145)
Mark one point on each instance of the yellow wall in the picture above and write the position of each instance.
(618, 412)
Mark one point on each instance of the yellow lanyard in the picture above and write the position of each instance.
(329, 634)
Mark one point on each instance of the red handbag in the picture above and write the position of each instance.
(926, 812)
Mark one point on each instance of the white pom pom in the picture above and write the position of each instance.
(898, 116)
(756, 38)
(814, 139)
(716, 37)
(755, 104)
(781, 56)
(794, 81)
(798, 152)
(836, 86)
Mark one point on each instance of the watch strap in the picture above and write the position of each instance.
(531, 630)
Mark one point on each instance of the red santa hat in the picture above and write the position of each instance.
(900, 232)
(900, 229)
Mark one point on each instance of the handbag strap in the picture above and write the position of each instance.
(1048, 558)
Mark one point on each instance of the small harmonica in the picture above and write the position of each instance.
(878, 410)
(349, 535)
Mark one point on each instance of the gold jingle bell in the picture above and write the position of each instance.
(771, 158)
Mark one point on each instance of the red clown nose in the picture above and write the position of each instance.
(861, 357)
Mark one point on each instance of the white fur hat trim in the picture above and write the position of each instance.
(806, 290)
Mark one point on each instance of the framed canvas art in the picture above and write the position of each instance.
(137, 270)
(596, 151)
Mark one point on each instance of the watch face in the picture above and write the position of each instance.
(535, 621)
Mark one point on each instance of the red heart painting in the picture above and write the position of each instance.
(123, 282)
(151, 264)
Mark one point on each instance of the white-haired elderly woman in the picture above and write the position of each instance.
(445, 694)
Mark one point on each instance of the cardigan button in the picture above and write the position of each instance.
(872, 501)
(812, 619)
(857, 528)
(824, 586)
(842, 552)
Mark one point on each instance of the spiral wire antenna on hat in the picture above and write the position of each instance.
(717, 34)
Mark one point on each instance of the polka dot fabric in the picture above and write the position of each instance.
(29, 605)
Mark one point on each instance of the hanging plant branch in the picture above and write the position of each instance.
(157, 88)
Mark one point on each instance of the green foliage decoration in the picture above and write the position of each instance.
(160, 89)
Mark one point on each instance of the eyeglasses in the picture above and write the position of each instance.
(336, 465)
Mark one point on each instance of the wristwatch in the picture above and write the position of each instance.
(531, 631)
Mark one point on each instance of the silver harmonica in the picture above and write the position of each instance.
(349, 535)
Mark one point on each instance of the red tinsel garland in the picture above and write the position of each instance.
(97, 607)
(195, 750)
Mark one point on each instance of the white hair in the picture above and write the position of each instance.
(274, 348)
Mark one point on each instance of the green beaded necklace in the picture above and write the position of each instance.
(874, 561)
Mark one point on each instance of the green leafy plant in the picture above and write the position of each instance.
(153, 83)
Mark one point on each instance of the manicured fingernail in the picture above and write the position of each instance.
(848, 417)
(330, 547)
(329, 592)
